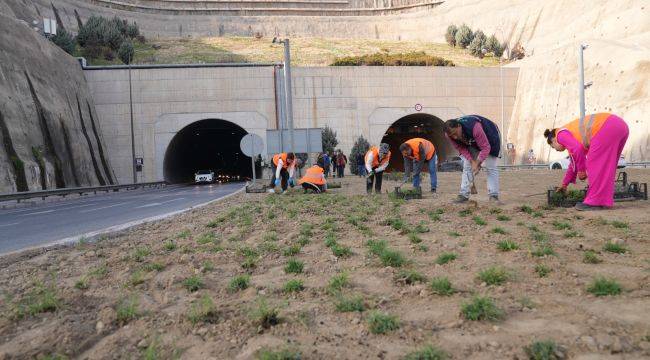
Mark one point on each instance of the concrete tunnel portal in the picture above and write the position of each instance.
(210, 144)
(417, 125)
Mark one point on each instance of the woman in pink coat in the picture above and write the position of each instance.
(595, 144)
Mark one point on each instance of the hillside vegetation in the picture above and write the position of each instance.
(304, 51)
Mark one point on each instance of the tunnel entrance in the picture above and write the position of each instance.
(210, 144)
(417, 125)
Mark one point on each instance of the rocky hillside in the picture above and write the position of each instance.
(49, 133)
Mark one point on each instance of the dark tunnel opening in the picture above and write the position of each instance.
(210, 144)
(417, 125)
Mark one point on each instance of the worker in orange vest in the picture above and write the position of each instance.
(376, 161)
(314, 180)
(284, 166)
(595, 144)
(416, 152)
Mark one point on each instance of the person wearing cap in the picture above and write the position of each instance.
(416, 152)
(284, 166)
(478, 141)
(376, 161)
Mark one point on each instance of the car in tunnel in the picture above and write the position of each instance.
(563, 164)
(204, 176)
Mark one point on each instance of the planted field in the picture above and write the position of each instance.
(342, 275)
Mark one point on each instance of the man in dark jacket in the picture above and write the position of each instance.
(478, 141)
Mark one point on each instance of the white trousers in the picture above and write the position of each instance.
(490, 165)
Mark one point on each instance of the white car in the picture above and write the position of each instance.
(564, 163)
(204, 176)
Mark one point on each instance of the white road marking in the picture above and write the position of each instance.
(38, 212)
(16, 223)
(158, 203)
(103, 207)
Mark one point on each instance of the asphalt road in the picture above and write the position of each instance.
(62, 221)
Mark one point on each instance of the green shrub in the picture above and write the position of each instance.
(445, 258)
(494, 275)
(414, 238)
(170, 245)
(559, 225)
(415, 58)
(127, 310)
(381, 323)
(294, 285)
(294, 266)
(206, 238)
(341, 251)
(329, 140)
(499, 230)
(239, 282)
(38, 300)
(349, 304)
(392, 258)
(428, 352)
(450, 35)
(481, 308)
(140, 253)
(464, 36)
(203, 310)
(377, 246)
(441, 286)
(291, 250)
(507, 245)
(526, 209)
(544, 250)
(604, 287)
(494, 46)
(193, 283)
(543, 350)
(503, 218)
(619, 224)
(478, 45)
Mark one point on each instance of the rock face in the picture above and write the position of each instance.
(49, 134)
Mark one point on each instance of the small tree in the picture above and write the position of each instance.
(478, 45)
(132, 30)
(360, 147)
(494, 46)
(329, 140)
(450, 36)
(113, 37)
(464, 36)
(65, 41)
(126, 52)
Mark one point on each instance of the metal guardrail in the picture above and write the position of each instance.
(80, 190)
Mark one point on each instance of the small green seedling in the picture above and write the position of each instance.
(499, 230)
(507, 245)
(542, 270)
(503, 218)
(604, 287)
(170, 245)
(590, 257)
(266, 315)
(381, 323)
(544, 250)
(615, 247)
(294, 266)
(409, 277)
(441, 286)
(127, 310)
(428, 352)
(203, 310)
(526, 209)
(294, 285)
(494, 275)
(479, 220)
(239, 282)
(559, 225)
(481, 308)
(446, 257)
(619, 224)
(349, 304)
(193, 283)
(338, 282)
(543, 350)
(281, 354)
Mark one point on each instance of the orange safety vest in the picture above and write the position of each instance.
(282, 156)
(314, 175)
(375, 160)
(429, 149)
(584, 129)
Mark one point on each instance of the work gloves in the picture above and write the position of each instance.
(277, 182)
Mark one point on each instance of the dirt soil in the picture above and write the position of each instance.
(128, 296)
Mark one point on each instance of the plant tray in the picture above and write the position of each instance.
(408, 194)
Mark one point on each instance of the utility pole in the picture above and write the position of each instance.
(135, 175)
(581, 75)
(287, 88)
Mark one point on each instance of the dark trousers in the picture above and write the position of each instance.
(313, 187)
(284, 178)
(341, 170)
(377, 178)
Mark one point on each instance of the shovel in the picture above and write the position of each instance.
(473, 186)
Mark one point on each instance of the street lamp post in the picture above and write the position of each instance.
(287, 88)
(581, 75)
(135, 175)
